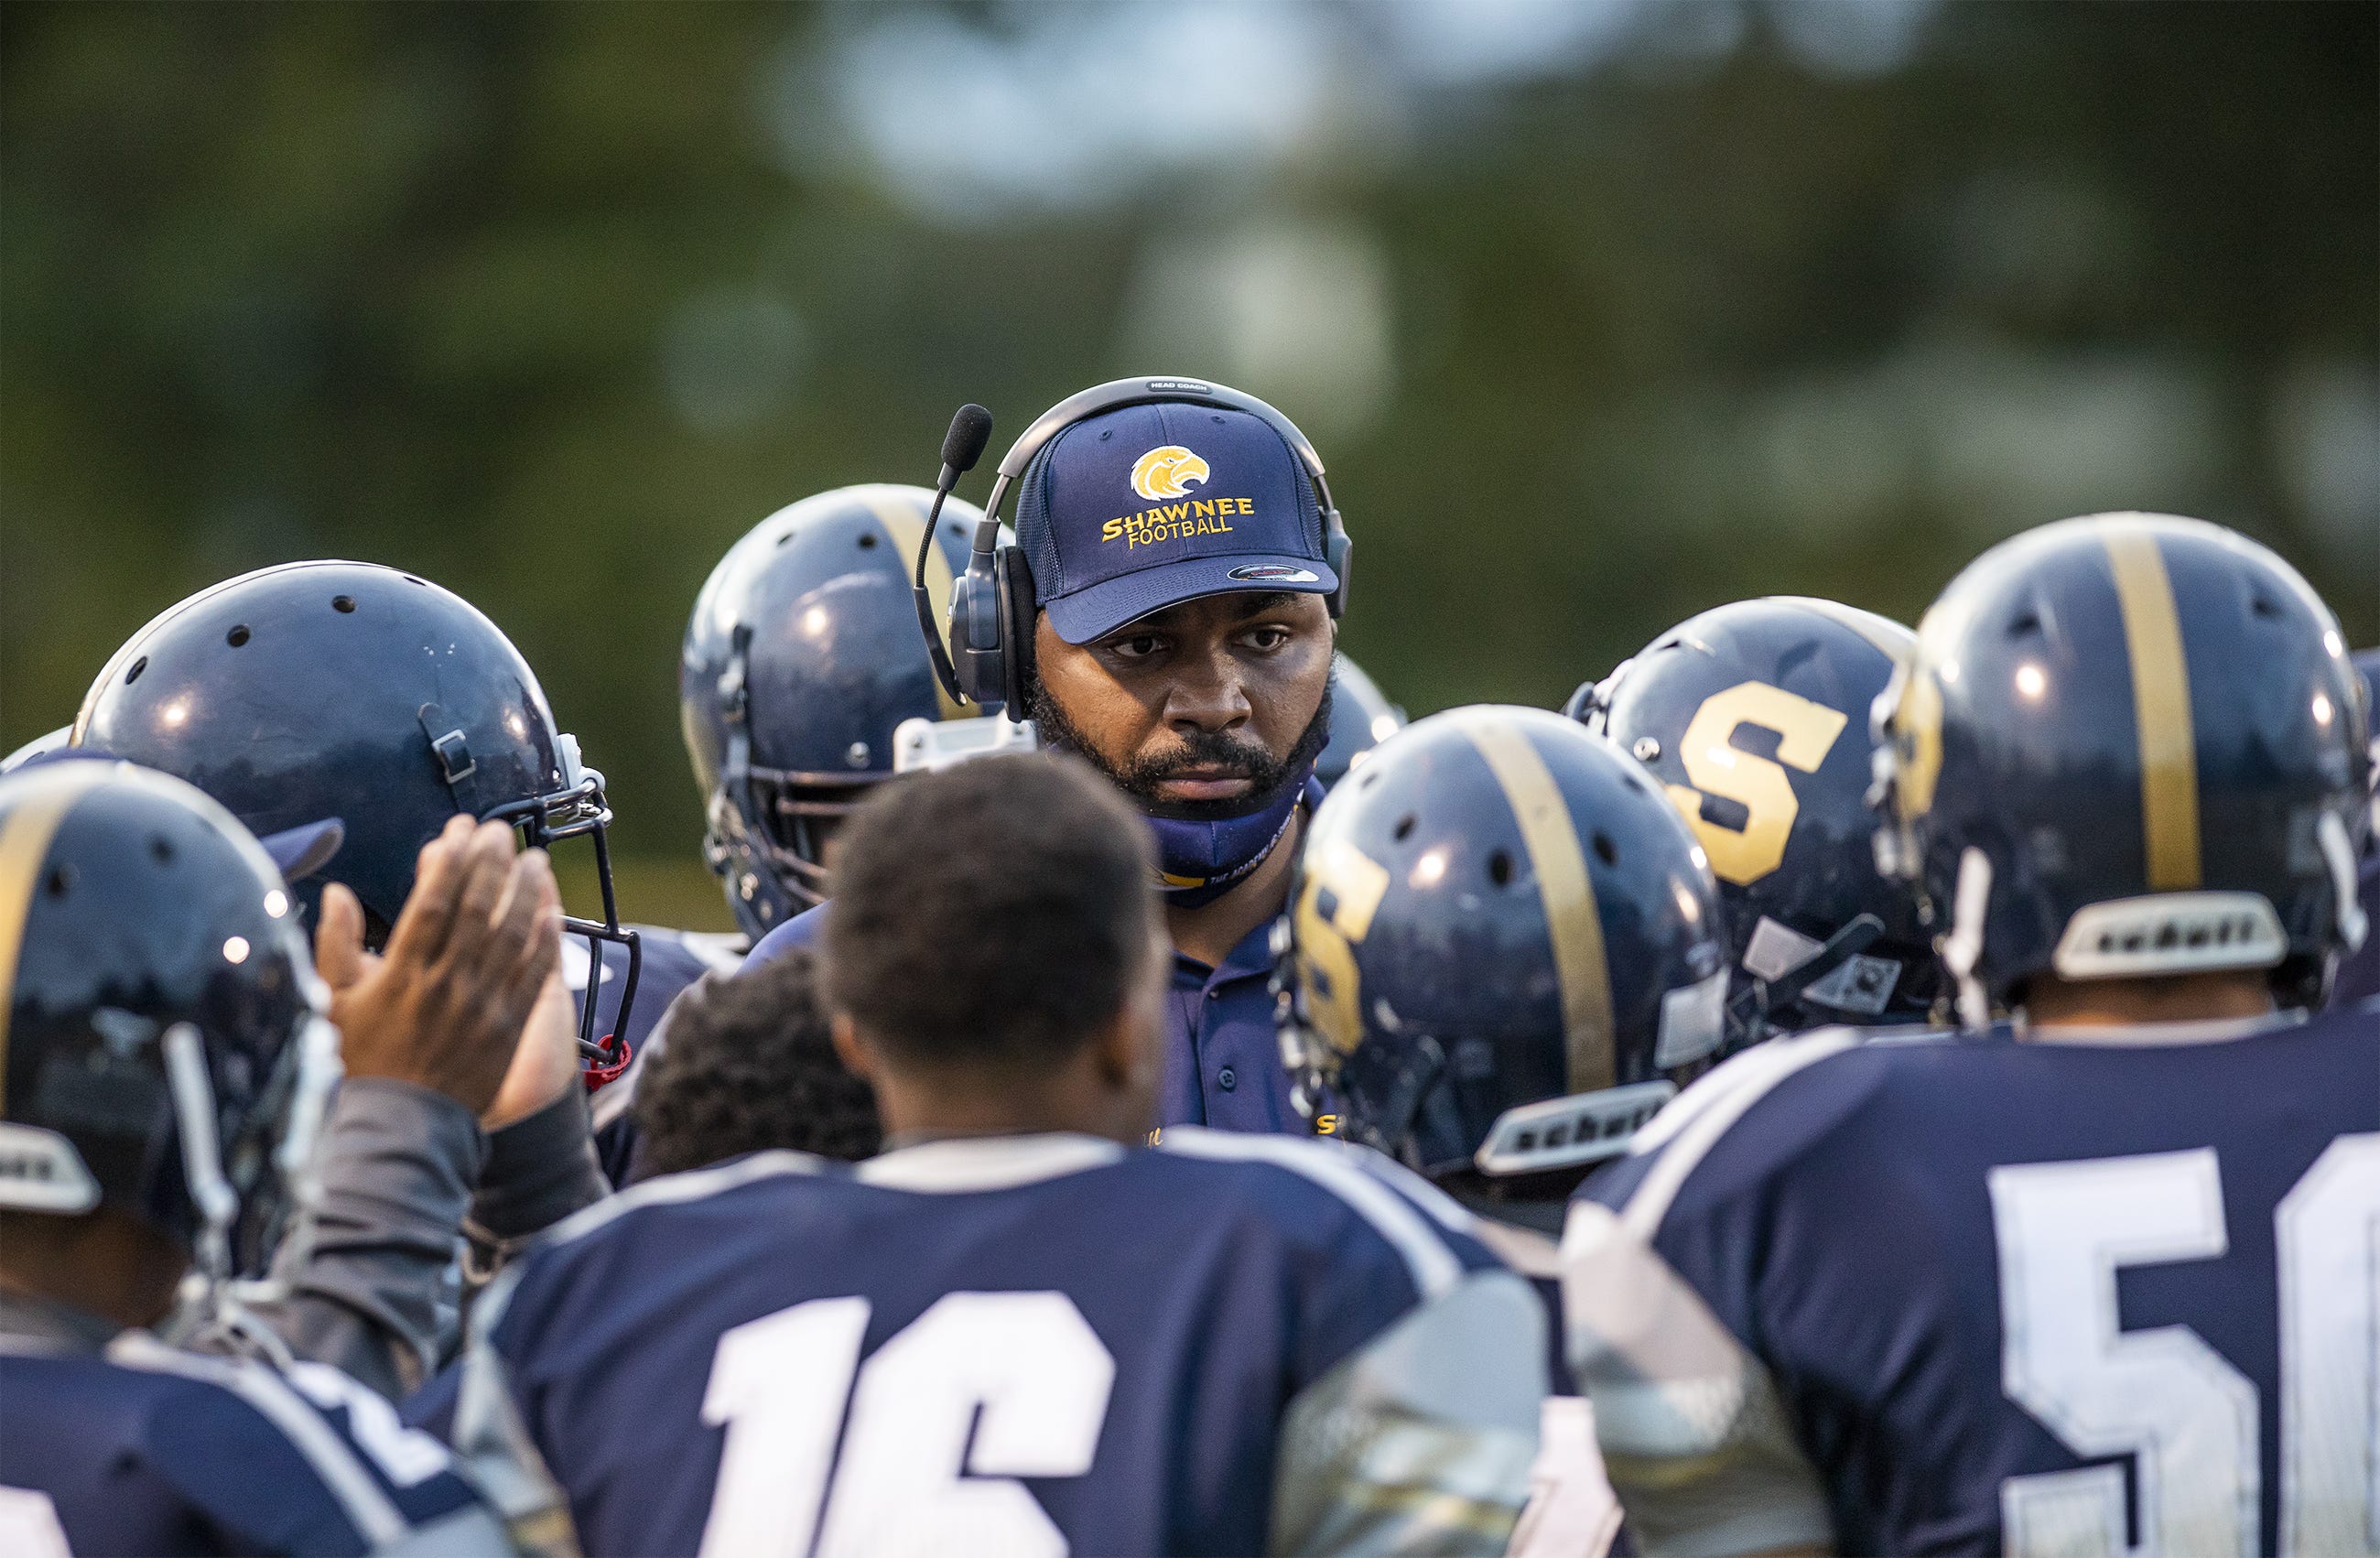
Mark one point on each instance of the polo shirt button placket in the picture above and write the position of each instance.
(1229, 1078)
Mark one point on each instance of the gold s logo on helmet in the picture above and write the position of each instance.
(1328, 935)
(1806, 733)
(1167, 471)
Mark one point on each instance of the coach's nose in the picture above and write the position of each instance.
(1209, 694)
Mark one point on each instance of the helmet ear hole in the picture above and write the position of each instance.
(1404, 827)
(1605, 850)
(1500, 869)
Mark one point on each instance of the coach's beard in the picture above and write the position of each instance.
(1204, 847)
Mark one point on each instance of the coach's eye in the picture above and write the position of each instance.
(1268, 638)
(1140, 646)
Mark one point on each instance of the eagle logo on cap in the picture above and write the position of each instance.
(1167, 471)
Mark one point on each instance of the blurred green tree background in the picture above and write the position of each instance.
(1602, 312)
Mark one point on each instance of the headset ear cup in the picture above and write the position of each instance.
(965, 652)
(1017, 621)
(1339, 550)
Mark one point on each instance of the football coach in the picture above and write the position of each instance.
(1168, 612)
(1183, 587)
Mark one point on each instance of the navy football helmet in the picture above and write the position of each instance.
(800, 660)
(1361, 718)
(1504, 951)
(2129, 744)
(39, 746)
(164, 1048)
(358, 692)
(1754, 717)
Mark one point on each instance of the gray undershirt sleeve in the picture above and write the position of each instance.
(363, 1276)
(540, 1170)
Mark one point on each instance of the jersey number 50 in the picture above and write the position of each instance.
(980, 1390)
(2184, 1414)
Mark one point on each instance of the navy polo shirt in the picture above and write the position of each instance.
(1223, 1058)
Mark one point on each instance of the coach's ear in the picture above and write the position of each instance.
(850, 1049)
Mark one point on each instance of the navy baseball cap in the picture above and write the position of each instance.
(1151, 506)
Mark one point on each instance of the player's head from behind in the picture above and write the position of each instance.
(355, 692)
(2128, 763)
(165, 1058)
(994, 963)
(1504, 950)
(1754, 718)
(800, 660)
(1183, 578)
(750, 1066)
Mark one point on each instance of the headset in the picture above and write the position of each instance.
(991, 608)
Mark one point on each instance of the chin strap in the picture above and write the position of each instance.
(194, 1117)
(2339, 854)
(602, 1074)
(210, 1302)
(1963, 950)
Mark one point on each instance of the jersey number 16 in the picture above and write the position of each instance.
(980, 1390)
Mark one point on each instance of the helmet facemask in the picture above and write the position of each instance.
(577, 809)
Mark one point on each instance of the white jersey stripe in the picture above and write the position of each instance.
(373, 1511)
(1435, 1267)
(1729, 1094)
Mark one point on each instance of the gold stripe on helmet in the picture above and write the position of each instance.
(25, 837)
(1571, 921)
(904, 525)
(2160, 707)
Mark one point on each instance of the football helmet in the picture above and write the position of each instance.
(801, 658)
(1361, 718)
(1504, 951)
(1753, 718)
(2129, 744)
(367, 694)
(165, 1046)
(39, 746)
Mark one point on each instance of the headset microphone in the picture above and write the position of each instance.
(961, 447)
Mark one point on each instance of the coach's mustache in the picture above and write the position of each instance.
(1210, 751)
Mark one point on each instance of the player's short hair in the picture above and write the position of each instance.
(749, 1065)
(994, 914)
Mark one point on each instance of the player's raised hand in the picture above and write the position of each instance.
(546, 1064)
(445, 1007)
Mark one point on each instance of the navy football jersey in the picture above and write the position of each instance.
(1029, 1344)
(671, 961)
(154, 1451)
(2096, 1292)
